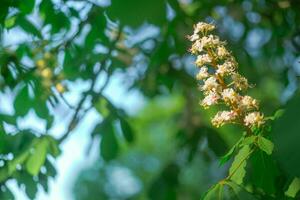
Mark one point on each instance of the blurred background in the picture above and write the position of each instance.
(105, 92)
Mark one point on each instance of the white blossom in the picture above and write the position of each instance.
(228, 67)
(230, 96)
(202, 74)
(254, 119)
(222, 52)
(203, 27)
(203, 59)
(210, 84)
(248, 102)
(210, 99)
(223, 117)
(239, 81)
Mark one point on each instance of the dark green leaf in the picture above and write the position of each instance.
(287, 137)
(127, 130)
(27, 6)
(264, 172)
(109, 144)
(135, 13)
(229, 154)
(22, 102)
(27, 26)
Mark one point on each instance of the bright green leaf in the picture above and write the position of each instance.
(214, 193)
(265, 145)
(37, 157)
(294, 188)
(237, 170)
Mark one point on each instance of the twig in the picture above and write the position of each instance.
(74, 121)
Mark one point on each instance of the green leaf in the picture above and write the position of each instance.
(127, 130)
(264, 172)
(22, 102)
(37, 158)
(237, 170)
(239, 193)
(108, 145)
(214, 193)
(98, 26)
(277, 114)
(102, 107)
(53, 147)
(27, 6)
(17, 161)
(294, 188)
(155, 12)
(265, 145)
(229, 154)
(27, 26)
(10, 22)
(286, 137)
(248, 140)
(57, 19)
(5, 193)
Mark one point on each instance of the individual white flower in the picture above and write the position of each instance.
(203, 59)
(210, 41)
(222, 52)
(194, 37)
(228, 67)
(248, 102)
(202, 74)
(210, 84)
(203, 27)
(254, 119)
(210, 99)
(224, 117)
(230, 96)
(197, 47)
(239, 81)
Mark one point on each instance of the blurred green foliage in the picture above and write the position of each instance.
(168, 149)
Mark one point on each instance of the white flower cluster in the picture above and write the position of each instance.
(221, 82)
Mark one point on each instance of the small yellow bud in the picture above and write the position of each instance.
(40, 63)
(46, 73)
(60, 88)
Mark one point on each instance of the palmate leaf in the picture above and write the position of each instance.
(237, 170)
